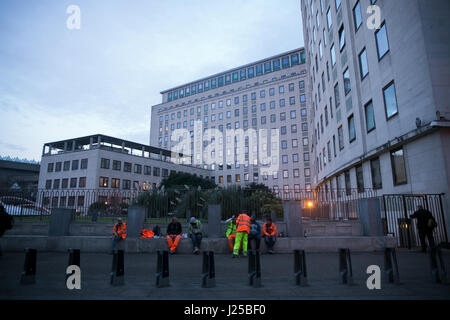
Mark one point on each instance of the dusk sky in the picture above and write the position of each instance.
(58, 83)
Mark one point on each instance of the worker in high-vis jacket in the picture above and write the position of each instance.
(119, 232)
(242, 231)
(231, 232)
(270, 234)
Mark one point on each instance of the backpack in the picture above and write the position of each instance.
(431, 223)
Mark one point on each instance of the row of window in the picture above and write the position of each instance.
(241, 75)
(265, 176)
(66, 165)
(136, 168)
(66, 183)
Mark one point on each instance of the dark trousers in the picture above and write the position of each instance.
(115, 240)
(196, 240)
(257, 241)
(270, 241)
(426, 234)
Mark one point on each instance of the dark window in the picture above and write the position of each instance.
(104, 163)
(398, 167)
(337, 99)
(370, 116)
(50, 167)
(341, 138)
(359, 178)
(357, 18)
(156, 171)
(363, 66)
(126, 184)
(117, 165)
(66, 166)
(348, 186)
(376, 173)
(82, 182)
(341, 38)
(58, 166)
(137, 168)
(56, 184)
(84, 164)
(73, 182)
(351, 129)
(127, 167)
(148, 170)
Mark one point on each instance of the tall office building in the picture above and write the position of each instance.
(380, 96)
(247, 124)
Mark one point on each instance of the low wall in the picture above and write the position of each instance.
(98, 244)
(311, 227)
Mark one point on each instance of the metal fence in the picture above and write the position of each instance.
(329, 205)
(396, 214)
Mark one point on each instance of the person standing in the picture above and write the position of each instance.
(173, 235)
(195, 232)
(255, 233)
(119, 232)
(425, 225)
(270, 234)
(242, 231)
(6, 223)
(231, 232)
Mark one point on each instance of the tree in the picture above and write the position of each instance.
(178, 180)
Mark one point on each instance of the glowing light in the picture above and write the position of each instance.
(309, 204)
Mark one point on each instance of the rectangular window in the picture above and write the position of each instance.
(65, 183)
(347, 85)
(359, 178)
(156, 172)
(382, 41)
(348, 186)
(337, 99)
(341, 38)
(363, 66)
(333, 55)
(357, 18)
(341, 138)
(126, 184)
(376, 173)
(103, 182)
(351, 129)
(104, 163)
(390, 100)
(117, 165)
(67, 166)
(338, 4)
(115, 183)
(84, 164)
(370, 116)
(251, 72)
(398, 167)
(329, 19)
(138, 168)
(73, 182)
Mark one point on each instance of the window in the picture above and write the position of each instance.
(156, 172)
(363, 66)
(115, 183)
(359, 178)
(348, 186)
(65, 183)
(104, 163)
(357, 18)
(48, 184)
(336, 95)
(126, 184)
(59, 164)
(398, 167)
(351, 129)
(333, 55)
(390, 100)
(67, 165)
(138, 168)
(376, 173)
(341, 38)
(103, 182)
(341, 138)
(73, 182)
(370, 117)
(117, 165)
(382, 41)
(338, 4)
(347, 85)
(329, 20)
(127, 167)
(281, 89)
(292, 101)
(50, 167)
(82, 182)
(282, 103)
(84, 164)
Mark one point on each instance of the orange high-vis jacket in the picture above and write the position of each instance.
(270, 230)
(243, 223)
(147, 233)
(121, 230)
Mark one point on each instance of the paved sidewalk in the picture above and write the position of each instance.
(231, 278)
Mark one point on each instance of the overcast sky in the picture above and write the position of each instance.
(57, 83)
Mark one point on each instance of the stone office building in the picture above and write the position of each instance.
(265, 101)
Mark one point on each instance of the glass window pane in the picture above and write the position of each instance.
(382, 41)
(390, 100)
(398, 167)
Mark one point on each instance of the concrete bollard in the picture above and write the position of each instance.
(254, 269)
(118, 270)
(208, 270)
(345, 267)
(391, 266)
(74, 259)
(438, 273)
(162, 269)
(29, 268)
(300, 268)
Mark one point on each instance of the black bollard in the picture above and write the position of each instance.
(74, 259)
(118, 271)
(254, 269)
(345, 267)
(438, 273)
(391, 266)
(162, 269)
(208, 270)
(300, 268)
(29, 268)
